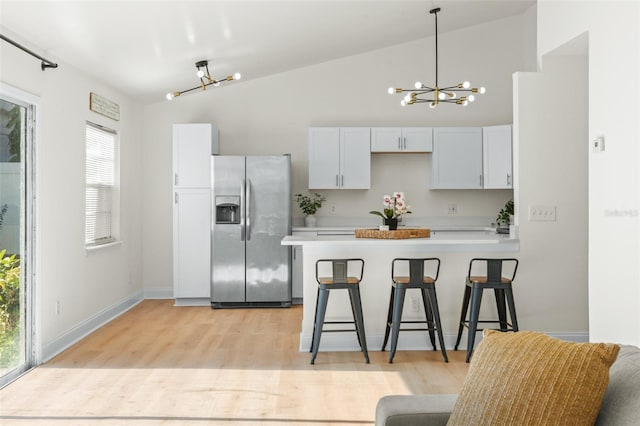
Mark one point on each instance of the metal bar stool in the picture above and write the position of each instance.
(427, 285)
(502, 288)
(340, 280)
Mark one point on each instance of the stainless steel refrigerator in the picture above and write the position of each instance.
(251, 214)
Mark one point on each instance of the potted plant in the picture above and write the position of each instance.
(309, 206)
(505, 218)
(394, 207)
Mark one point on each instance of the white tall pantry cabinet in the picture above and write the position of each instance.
(193, 145)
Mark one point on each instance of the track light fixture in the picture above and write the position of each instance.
(205, 79)
(456, 94)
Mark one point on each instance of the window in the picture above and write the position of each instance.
(101, 190)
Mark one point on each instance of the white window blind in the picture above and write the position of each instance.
(100, 185)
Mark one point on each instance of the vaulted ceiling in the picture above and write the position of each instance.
(147, 48)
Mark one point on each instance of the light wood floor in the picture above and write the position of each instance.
(160, 364)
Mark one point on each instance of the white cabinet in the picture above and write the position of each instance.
(339, 158)
(497, 157)
(193, 145)
(401, 139)
(191, 243)
(457, 158)
(296, 267)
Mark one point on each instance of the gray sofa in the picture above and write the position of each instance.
(620, 405)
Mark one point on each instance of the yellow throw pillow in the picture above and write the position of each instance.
(529, 378)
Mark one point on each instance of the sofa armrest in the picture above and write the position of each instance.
(404, 410)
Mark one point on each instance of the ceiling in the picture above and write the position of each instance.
(148, 48)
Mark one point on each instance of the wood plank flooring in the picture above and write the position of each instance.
(160, 364)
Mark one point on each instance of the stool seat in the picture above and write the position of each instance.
(483, 280)
(339, 280)
(417, 279)
(330, 280)
(406, 280)
(474, 286)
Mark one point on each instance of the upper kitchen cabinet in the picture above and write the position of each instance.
(193, 145)
(339, 158)
(497, 157)
(398, 139)
(457, 158)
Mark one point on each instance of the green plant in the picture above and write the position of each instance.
(9, 309)
(505, 213)
(309, 205)
(3, 210)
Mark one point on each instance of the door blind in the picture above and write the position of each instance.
(100, 185)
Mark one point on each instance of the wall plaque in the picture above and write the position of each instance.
(104, 106)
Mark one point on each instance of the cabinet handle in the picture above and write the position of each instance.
(405, 143)
(508, 179)
(175, 179)
(342, 180)
(337, 182)
(175, 197)
(399, 143)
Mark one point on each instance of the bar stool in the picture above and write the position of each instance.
(502, 288)
(340, 280)
(427, 285)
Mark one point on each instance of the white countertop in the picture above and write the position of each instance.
(457, 240)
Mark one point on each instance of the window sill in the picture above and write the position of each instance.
(92, 249)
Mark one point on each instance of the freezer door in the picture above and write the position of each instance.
(268, 221)
(227, 244)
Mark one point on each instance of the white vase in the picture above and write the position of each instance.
(310, 221)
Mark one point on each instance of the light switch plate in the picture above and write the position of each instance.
(598, 144)
(542, 213)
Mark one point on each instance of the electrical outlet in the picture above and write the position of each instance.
(332, 209)
(542, 213)
(57, 307)
(453, 209)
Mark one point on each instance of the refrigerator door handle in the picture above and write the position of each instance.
(242, 211)
(248, 212)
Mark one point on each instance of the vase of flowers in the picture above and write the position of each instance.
(394, 207)
(309, 206)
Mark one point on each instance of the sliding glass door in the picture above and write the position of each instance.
(16, 189)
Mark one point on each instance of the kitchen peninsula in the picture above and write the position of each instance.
(454, 248)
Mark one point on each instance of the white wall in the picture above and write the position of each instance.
(551, 169)
(85, 285)
(271, 116)
(613, 30)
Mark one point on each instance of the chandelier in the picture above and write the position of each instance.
(205, 79)
(459, 94)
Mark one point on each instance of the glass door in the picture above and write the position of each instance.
(16, 160)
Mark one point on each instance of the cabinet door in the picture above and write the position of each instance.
(457, 158)
(417, 139)
(324, 157)
(191, 243)
(386, 139)
(497, 159)
(355, 158)
(296, 274)
(192, 155)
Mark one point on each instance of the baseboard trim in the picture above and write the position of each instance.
(82, 330)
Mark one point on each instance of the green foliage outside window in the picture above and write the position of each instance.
(9, 309)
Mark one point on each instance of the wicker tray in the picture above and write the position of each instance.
(394, 235)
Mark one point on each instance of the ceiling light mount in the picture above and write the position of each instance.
(459, 94)
(204, 75)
